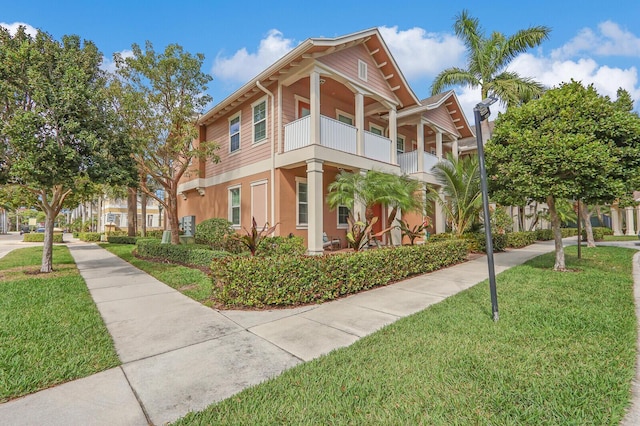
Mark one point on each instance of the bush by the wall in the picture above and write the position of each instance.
(38, 237)
(569, 232)
(598, 233)
(291, 280)
(214, 233)
(89, 236)
(606, 231)
(281, 246)
(477, 241)
(121, 239)
(191, 254)
(520, 239)
(544, 234)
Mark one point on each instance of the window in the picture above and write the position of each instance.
(362, 70)
(376, 130)
(343, 214)
(260, 121)
(400, 144)
(234, 133)
(302, 204)
(234, 206)
(344, 117)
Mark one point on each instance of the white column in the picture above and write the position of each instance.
(393, 134)
(420, 148)
(439, 144)
(360, 124)
(454, 148)
(631, 230)
(396, 234)
(315, 205)
(638, 217)
(439, 213)
(615, 221)
(314, 100)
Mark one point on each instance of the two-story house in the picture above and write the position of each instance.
(330, 104)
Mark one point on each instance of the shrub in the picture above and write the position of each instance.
(191, 254)
(281, 246)
(292, 280)
(121, 239)
(520, 239)
(598, 233)
(544, 234)
(445, 236)
(569, 232)
(38, 237)
(477, 241)
(214, 233)
(89, 236)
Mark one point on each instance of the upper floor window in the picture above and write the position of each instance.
(234, 133)
(344, 117)
(400, 144)
(260, 120)
(376, 130)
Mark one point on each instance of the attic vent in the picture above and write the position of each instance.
(362, 70)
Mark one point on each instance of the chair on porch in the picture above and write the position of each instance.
(330, 242)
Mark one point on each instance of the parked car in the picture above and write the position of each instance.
(24, 230)
(41, 230)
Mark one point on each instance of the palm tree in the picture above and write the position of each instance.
(487, 59)
(459, 179)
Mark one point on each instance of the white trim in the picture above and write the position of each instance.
(339, 113)
(299, 225)
(299, 99)
(238, 115)
(378, 127)
(362, 70)
(265, 120)
(404, 143)
(230, 206)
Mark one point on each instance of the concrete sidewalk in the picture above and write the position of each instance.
(179, 356)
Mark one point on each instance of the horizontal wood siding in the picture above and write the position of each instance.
(249, 153)
(441, 117)
(346, 62)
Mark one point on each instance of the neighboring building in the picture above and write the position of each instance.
(326, 106)
(629, 222)
(111, 214)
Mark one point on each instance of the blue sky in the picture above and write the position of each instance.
(592, 41)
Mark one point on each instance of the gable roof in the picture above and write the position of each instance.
(316, 47)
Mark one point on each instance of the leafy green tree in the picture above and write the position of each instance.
(161, 97)
(459, 179)
(57, 130)
(375, 187)
(569, 144)
(487, 60)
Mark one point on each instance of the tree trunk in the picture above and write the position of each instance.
(586, 217)
(172, 215)
(132, 211)
(47, 248)
(143, 209)
(521, 218)
(557, 235)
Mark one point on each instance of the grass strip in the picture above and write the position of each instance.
(563, 352)
(50, 329)
(190, 281)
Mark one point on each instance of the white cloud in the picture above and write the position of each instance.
(609, 40)
(243, 65)
(32, 31)
(109, 65)
(551, 72)
(420, 53)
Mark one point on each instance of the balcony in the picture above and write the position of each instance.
(336, 135)
(408, 162)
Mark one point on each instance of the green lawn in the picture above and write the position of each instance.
(191, 282)
(563, 352)
(50, 329)
(621, 238)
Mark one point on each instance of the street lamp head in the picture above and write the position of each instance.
(488, 101)
(483, 107)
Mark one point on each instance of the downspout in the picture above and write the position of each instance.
(273, 153)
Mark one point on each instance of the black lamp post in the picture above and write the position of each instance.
(481, 112)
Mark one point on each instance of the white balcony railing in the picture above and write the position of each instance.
(408, 162)
(336, 135)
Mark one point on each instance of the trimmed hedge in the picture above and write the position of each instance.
(89, 236)
(520, 239)
(115, 239)
(292, 280)
(281, 246)
(569, 232)
(477, 242)
(214, 232)
(38, 237)
(598, 233)
(191, 254)
(544, 234)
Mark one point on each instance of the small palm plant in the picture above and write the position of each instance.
(253, 236)
(359, 233)
(414, 232)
